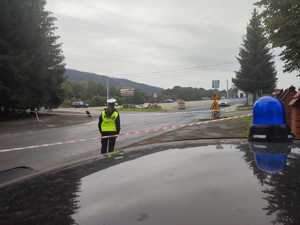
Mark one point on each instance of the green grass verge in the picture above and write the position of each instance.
(244, 108)
(248, 121)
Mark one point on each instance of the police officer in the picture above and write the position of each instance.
(109, 126)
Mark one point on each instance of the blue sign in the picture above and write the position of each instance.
(216, 84)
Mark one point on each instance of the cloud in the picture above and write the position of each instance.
(136, 39)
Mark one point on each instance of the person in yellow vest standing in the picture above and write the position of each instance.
(109, 126)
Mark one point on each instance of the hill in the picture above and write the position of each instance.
(75, 75)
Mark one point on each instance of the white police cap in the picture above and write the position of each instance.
(111, 101)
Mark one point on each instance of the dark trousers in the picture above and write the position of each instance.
(108, 144)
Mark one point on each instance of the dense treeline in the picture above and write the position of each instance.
(189, 93)
(31, 60)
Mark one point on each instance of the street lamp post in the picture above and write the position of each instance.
(107, 88)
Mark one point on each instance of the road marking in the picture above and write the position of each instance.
(130, 133)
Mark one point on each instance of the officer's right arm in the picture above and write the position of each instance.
(100, 122)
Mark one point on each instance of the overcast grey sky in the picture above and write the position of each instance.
(158, 42)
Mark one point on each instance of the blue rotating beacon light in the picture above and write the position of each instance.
(269, 124)
(270, 158)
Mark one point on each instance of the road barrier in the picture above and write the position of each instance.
(130, 133)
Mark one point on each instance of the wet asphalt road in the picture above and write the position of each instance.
(226, 183)
(45, 157)
(41, 158)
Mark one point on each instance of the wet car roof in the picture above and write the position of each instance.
(211, 184)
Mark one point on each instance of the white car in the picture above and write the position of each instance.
(224, 104)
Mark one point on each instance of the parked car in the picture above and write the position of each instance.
(224, 104)
(169, 100)
(80, 104)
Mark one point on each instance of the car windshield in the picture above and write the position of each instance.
(95, 80)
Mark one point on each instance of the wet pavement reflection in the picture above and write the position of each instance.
(277, 167)
(210, 184)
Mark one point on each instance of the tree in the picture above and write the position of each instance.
(282, 20)
(31, 59)
(257, 74)
(233, 92)
(137, 98)
(12, 58)
(98, 101)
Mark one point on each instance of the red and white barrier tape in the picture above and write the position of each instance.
(130, 133)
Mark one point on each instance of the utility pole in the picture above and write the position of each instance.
(107, 88)
(227, 89)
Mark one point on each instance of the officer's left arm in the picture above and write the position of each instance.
(100, 122)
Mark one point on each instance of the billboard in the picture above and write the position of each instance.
(127, 92)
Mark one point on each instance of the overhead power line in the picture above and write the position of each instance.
(194, 68)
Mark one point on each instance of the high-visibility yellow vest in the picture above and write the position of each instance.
(109, 123)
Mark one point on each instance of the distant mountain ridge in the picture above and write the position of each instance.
(75, 75)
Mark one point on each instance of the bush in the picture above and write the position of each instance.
(97, 101)
(129, 106)
(66, 103)
(154, 106)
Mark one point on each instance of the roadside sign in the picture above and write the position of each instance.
(216, 84)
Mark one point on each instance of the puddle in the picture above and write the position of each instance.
(211, 184)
